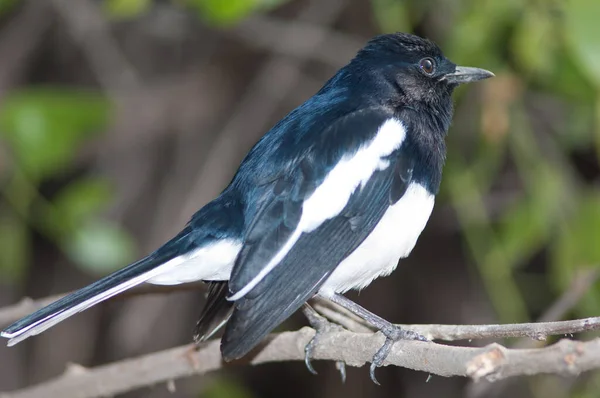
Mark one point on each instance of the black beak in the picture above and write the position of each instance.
(466, 74)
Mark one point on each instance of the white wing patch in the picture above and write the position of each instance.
(212, 262)
(330, 198)
(393, 238)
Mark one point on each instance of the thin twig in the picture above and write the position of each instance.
(534, 330)
(492, 362)
(581, 284)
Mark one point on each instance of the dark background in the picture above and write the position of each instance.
(120, 118)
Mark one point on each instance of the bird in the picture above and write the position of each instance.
(328, 200)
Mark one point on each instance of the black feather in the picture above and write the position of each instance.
(306, 267)
(216, 310)
(277, 218)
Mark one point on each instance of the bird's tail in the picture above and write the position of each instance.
(113, 284)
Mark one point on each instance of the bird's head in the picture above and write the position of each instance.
(414, 68)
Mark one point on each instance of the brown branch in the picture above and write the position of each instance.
(534, 330)
(492, 362)
(580, 285)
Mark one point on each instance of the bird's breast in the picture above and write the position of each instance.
(393, 238)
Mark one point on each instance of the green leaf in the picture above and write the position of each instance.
(44, 126)
(126, 8)
(229, 12)
(79, 201)
(100, 247)
(582, 32)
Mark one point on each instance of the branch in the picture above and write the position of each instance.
(492, 362)
(581, 284)
(534, 330)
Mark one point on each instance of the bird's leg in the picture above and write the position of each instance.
(391, 332)
(321, 326)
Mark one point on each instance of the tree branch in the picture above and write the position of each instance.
(534, 330)
(581, 284)
(492, 362)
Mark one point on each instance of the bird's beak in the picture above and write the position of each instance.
(466, 74)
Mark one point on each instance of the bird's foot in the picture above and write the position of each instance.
(322, 326)
(392, 334)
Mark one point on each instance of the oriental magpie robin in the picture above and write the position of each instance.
(328, 200)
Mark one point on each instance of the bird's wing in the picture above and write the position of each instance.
(298, 240)
(311, 185)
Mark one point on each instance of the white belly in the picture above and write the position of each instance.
(392, 239)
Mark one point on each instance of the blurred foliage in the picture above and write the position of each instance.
(231, 11)
(551, 55)
(126, 8)
(545, 50)
(44, 127)
(541, 109)
(7, 5)
(225, 388)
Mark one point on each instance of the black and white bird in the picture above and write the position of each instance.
(327, 201)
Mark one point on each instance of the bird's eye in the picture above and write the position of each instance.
(427, 66)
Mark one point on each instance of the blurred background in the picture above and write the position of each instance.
(120, 118)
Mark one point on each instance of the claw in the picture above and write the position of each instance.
(392, 335)
(308, 350)
(372, 374)
(321, 326)
(392, 332)
(380, 356)
(341, 367)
